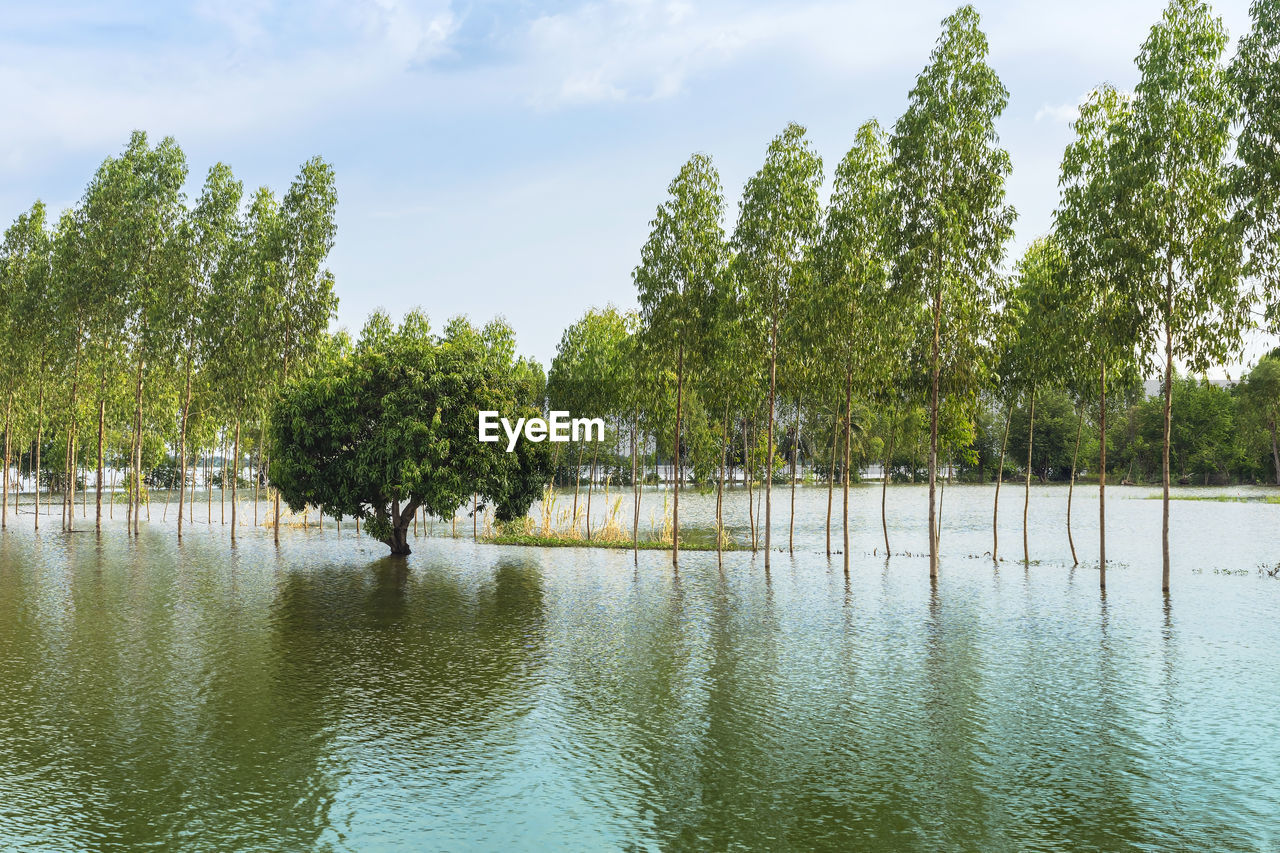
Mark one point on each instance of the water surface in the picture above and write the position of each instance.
(321, 696)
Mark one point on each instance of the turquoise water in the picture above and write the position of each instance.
(321, 696)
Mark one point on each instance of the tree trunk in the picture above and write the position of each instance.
(577, 477)
(1102, 477)
(831, 477)
(1075, 457)
(675, 506)
(635, 489)
(102, 427)
(995, 512)
(884, 486)
(591, 482)
(235, 478)
(8, 411)
(1168, 421)
(746, 476)
(724, 451)
(182, 445)
(39, 439)
(1026, 495)
(848, 456)
(935, 370)
(768, 447)
(795, 459)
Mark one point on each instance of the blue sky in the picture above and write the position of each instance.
(506, 157)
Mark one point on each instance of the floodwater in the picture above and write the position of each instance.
(321, 696)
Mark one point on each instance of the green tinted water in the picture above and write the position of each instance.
(320, 696)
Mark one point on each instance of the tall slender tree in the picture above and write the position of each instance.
(950, 215)
(778, 219)
(681, 265)
(1180, 129)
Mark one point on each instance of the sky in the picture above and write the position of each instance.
(505, 157)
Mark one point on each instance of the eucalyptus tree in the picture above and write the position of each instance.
(778, 219)
(25, 272)
(28, 270)
(292, 248)
(849, 304)
(949, 214)
(1180, 131)
(1103, 326)
(681, 266)
(588, 378)
(1038, 356)
(1256, 177)
(153, 212)
(205, 322)
(1261, 395)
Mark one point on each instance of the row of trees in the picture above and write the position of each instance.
(891, 303)
(140, 329)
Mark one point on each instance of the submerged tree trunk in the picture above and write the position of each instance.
(635, 490)
(39, 441)
(675, 506)
(1026, 499)
(1168, 422)
(1102, 477)
(768, 447)
(995, 512)
(848, 457)
(795, 460)
(884, 486)
(747, 478)
(102, 427)
(1075, 458)
(831, 477)
(182, 446)
(935, 370)
(8, 412)
(235, 478)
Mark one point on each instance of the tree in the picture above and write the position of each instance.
(1261, 393)
(950, 215)
(681, 265)
(380, 429)
(847, 308)
(1256, 178)
(778, 219)
(1180, 129)
(1103, 323)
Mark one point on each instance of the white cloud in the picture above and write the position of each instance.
(1060, 113)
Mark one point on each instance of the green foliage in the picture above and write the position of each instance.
(389, 425)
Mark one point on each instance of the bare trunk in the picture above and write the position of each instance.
(724, 451)
(577, 477)
(235, 478)
(102, 427)
(746, 476)
(675, 506)
(635, 489)
(1075, 457)
(1168, 422)
(884, 486)
(591, 482)
(182, 445)
(935, 370)
(848, 456)
(795, 460)
(768, 448)
(1102, 477)
(831, 477)
(995, 512)
(1275, 452)
(39, 439)
(1026, 496)
(8, 412)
